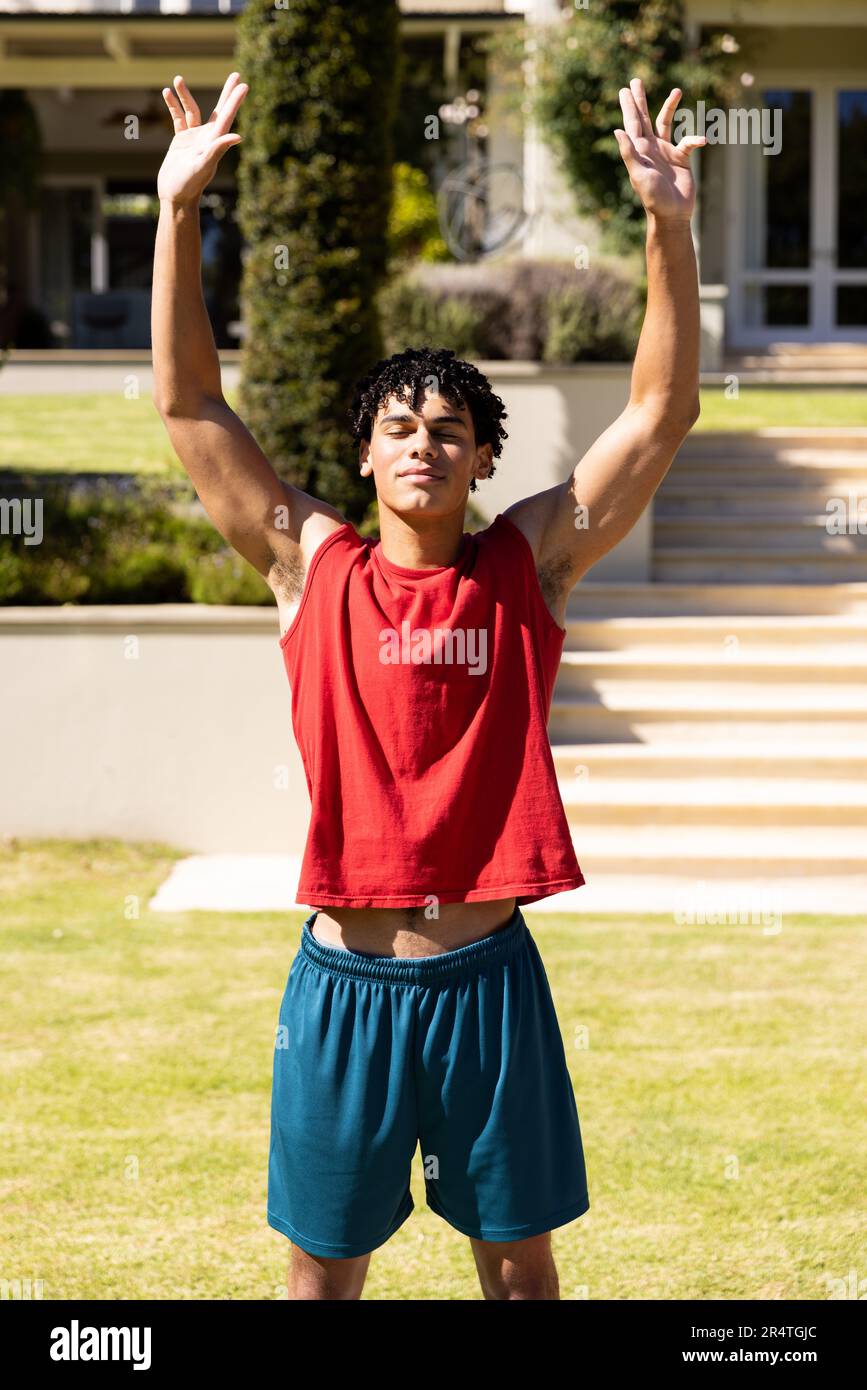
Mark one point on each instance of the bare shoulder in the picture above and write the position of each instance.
(305, 523)
(555, 560)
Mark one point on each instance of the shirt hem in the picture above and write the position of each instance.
(312, 897)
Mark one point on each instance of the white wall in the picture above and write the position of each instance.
(183, 742)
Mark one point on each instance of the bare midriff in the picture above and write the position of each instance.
(407, 931)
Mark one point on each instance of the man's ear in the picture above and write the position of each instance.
(364, 459)
(484, 461)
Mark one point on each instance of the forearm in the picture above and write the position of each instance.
(186, 364)
(665, 372)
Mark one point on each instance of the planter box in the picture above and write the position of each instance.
(164, 722)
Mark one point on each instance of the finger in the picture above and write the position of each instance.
(229, 110)
(631, 157)
(176, 111)
(225, 141)
(631, 115)
(664, 119)
(191, 110)
(636, 86)
(231, 81)
(687, 145)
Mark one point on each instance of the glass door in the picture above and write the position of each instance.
(849, 274)
(798, 240)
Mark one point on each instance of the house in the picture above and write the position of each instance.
(781, 234)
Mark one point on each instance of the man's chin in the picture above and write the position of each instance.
(421, 501)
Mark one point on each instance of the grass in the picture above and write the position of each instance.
(792, 407)
(716, 1097)
(108, 434)
(97, 433)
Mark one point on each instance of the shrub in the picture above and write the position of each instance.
(121, 540)
(582, 60)
(413, 314)
(314, 185)
(521, 310)
(596, 320)
(414, 229)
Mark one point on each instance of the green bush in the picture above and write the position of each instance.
(581, 63)
(314, 190)
(414, 229)
(519, 310)
(597, 320)
(413, 314)
(121, 540)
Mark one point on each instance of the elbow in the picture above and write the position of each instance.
(690, 418)
(680, 421)
(183, 407)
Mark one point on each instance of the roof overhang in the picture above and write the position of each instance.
(102, 51)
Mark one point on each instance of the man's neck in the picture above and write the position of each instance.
(421, 542)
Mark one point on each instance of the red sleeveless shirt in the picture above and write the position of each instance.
(420, 701)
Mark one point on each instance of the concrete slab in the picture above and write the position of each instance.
(268, 883)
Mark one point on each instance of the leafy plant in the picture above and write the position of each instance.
(314, 185)
(579, 64)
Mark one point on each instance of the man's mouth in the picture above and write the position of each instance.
(420, 473)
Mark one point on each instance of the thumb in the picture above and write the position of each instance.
(690, 143)
(220, 146)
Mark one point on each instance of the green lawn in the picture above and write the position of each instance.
(717, 1098)
(760, 407)
(105, 433)
(84, 434)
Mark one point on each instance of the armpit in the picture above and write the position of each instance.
(556, 578)
(286, 577)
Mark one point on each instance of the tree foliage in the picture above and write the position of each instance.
(315, 188)
(578, 65)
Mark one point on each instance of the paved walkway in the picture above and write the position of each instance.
(268, 883)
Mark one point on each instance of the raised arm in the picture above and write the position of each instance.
(574, 524)
(272, 524)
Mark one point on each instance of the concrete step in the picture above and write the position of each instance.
(777, 669)
(268, 883)
(713, 476)
(714, 802)
(667, 599)
(729, 565)
(689, 712)
(726, 852)
(790, 377)
(819, 533)
(761, 906)
(718, 633)
(775, 500)
(773, 441)
(659, 762)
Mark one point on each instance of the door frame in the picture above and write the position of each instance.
(822, 274)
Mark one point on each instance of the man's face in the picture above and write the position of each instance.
(423, 463)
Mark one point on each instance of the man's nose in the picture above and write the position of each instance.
(423, 444)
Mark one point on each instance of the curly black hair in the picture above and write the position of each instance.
(409, 374)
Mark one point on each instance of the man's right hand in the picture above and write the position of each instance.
(196, 149)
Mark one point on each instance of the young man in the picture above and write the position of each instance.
(421, 669)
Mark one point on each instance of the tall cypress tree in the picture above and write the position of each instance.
(314, 196)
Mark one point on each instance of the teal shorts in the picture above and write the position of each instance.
(460, 1052)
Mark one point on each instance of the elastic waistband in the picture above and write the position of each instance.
(416, 970)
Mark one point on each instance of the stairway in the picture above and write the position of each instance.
(710, 728)
(753, 507)
(790, 364)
